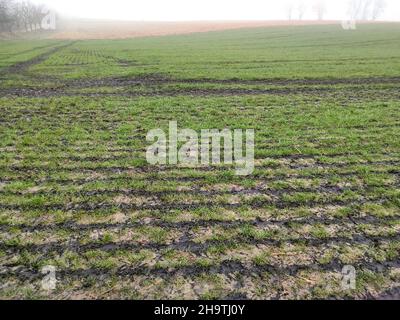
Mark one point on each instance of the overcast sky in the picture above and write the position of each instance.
(178, 10)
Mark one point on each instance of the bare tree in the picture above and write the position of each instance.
(3, 14)
(289, 7)
(38, 15)
(301, 8)
(17, 15)
(320, 8)
(6, 19)
(365, 9)
(355, 9)
(31, 15)
(24, 16)
(378, 8)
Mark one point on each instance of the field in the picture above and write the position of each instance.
(77, 193)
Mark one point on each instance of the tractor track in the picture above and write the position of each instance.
(227, 267)
(262, 177)
(73, 226)
(198, 92)
(22, 67)
(162, 206)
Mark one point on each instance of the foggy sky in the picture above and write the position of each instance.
(184, 10)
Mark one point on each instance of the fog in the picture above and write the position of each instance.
(187, 10)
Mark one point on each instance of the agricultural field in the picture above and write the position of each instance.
(77, 193)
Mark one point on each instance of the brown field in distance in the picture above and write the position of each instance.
(97, 29)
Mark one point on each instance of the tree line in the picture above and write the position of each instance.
(357, 9)
(366, 9)
(20, 16)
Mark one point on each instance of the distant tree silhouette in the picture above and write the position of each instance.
(301, 9)
(378, 8)
(320, 8)
(289, 7)
(366, 9)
